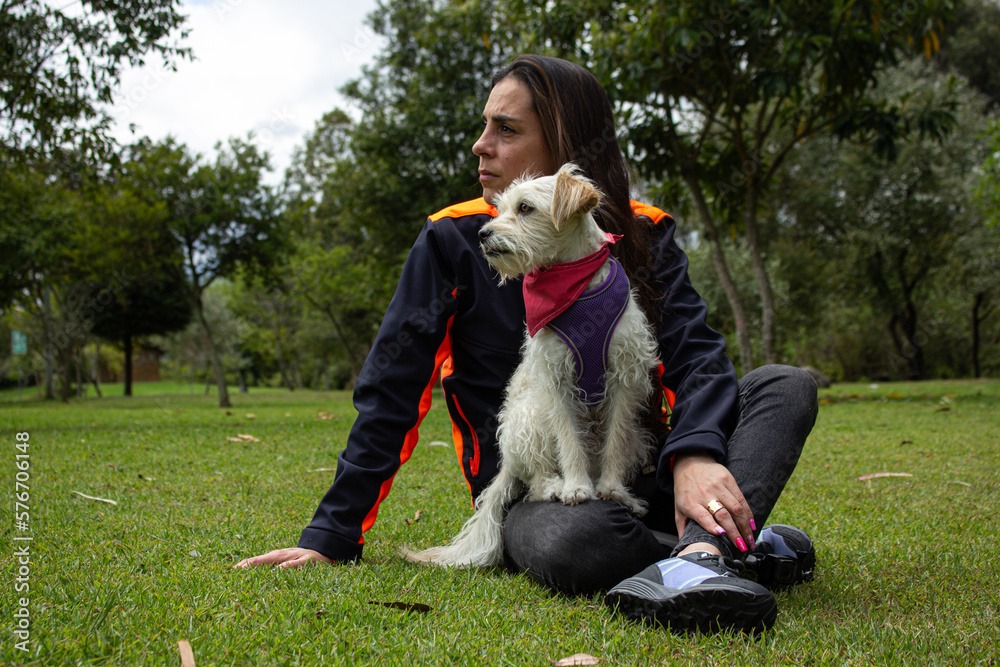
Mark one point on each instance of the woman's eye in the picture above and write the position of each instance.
(525, 208)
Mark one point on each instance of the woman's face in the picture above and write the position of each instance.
(512, 143)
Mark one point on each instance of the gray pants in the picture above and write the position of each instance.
(595, 545)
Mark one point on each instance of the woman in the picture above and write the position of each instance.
(730, 448)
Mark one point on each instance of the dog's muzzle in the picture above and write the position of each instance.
(490, 249)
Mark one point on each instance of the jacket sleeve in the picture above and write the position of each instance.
(697, 368)
(392, 396)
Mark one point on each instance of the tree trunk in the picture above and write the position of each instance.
(220, 374)
(48, 350)
(66, 366)
(768, 315)
(725, 278)
(279, 356)
(95, 370)
(977, 319)
(80, 385)
(127, 343)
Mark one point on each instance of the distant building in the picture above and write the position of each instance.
(145, 366)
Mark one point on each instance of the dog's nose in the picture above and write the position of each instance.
(484, 234)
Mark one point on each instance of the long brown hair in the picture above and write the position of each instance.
(579, 126)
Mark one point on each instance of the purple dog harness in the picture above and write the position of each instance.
(586, 327)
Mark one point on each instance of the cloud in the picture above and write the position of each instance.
(262, 66)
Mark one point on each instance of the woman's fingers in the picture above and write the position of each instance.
(705, 491)
(285, 558)
(731, 519)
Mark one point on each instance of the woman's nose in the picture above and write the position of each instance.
(481, 147)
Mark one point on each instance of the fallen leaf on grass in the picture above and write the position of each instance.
(251, 415)
(243, 437)
(405, 606)
(187, 655)
(576, 659)
(416, 518)
(103, 500)
(883, 474)
(438, 443)
(146, 479)
(322, 415)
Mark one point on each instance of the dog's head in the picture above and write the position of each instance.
(542, 221)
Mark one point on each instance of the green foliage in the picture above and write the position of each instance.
(61, 68)
(363, 190)
(988, 189)
(36, 219)
(898, 232)
(715, 95)
(221, 216)
(969, 48)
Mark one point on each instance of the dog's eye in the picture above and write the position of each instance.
(525, 208)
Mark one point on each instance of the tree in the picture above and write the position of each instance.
(969, 48)
(897, 228)
(370, 185)
(148, 305)
(714, 94)
(61, 68)
(221, 215)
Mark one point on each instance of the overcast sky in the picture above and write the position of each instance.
(268, 66)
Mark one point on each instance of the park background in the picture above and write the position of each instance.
(833, 170)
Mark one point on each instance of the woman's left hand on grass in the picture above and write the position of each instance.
(286, 558)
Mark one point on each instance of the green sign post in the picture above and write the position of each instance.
(19, 348)
(18, 342)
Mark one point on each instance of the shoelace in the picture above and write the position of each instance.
(713, 562)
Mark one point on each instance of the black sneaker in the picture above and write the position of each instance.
(697, 591)
(784, 557)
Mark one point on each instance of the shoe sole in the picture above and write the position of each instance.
(707, 607)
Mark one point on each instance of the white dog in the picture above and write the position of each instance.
(557, 434)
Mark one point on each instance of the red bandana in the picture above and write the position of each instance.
(550, 291)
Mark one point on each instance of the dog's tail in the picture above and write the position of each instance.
(480, 542)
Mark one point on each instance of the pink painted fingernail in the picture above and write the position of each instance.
(741, 544)
(719, 530)
(753, 526)
(751, 542)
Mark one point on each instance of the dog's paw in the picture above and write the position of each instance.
(545, 489)
(622, 495)
(574, 494)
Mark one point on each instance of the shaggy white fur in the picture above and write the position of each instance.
(550, 442)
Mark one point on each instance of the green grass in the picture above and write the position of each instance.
(907, 565)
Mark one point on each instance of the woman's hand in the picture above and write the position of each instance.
(698, 480)
(286, 558)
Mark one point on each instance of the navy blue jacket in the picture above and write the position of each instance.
(449, 319)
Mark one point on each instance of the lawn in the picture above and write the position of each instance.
(907, 566)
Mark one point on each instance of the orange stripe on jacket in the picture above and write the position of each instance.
(651, 212)
(472, 207)
(412, 436)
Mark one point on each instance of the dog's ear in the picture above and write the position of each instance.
(573, 196)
